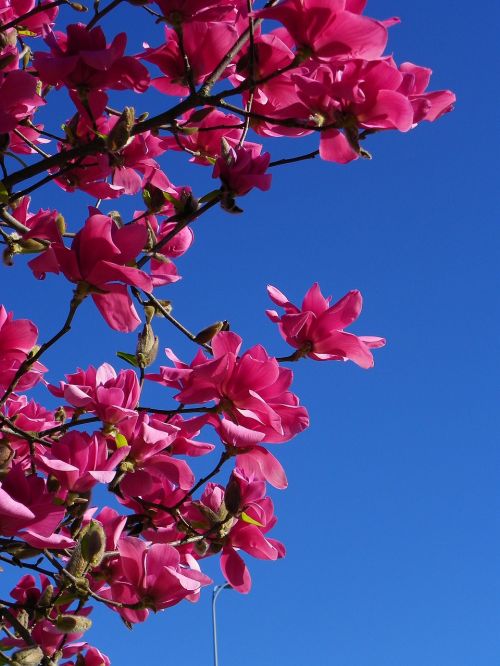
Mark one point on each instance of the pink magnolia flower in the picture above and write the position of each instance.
(205, 44)
(153, 577)
(81, 60)
(185, 442)
(42, 225)
(18, 145)
(80, 461)
(251, 390)
(352, 96)
(30, 417)
(27, 510)
(317, 329)
(17, 339)
(244, 516)
(92, 657)
(426, 105)
(253, 460)
(37, 23)
(242, 168)
(276, 98)
(325, 29)
(149, 453)
(110, 396)
(202, 142)
(100, 257)
(162, 269)
(18, 98)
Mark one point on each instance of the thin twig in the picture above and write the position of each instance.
(98, 15)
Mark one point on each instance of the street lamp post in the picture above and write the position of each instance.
(216, 591)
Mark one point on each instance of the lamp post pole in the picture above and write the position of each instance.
(216, 591)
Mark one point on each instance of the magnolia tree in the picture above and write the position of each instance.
(224, 69)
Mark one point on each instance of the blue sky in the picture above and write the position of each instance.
(391, 515)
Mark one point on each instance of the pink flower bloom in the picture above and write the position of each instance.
(251, 390)
(426, 105)
(324, 28)
(27, 510)
(110, 396)
(152, 576)
(42, 225)
(253, 516)
(18, 98)
(243, 168)
(81, 60)
(351, 96)
(205, 43)
(18, 145)
(31, 417)
(185, 442)
(80, 461)
(37, 23)
(149, 453)
(92, 657)
(204, 143)
(100, 256)
(162, 269)
(253, 460)
(317, 329)
(277, 98)
(17, 339)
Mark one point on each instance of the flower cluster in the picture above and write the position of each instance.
(231, 76)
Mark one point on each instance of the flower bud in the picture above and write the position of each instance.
(120, 134)
(29, 246)
(147, 346)
(93, 543)
(154, 198)
(201, 547)
(77, 563)
(73, 624)
(31, 656)
(45, 599)
(208, 333)
(232, 496)
(23, 618)
(166, 305)
(6, 454)
(77, 6)
(116, 217)
(61, 223)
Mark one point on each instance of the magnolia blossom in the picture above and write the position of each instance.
(18, 92)
(100, 257)
(27, 510)
(251, 390)
(317, 329)
(81, 59)
(109, 395)
(245, 515)
(242, 168)
(152, 577)
(17, 339)
(328, 30)
(79, 461)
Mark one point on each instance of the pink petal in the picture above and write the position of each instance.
(235, 571)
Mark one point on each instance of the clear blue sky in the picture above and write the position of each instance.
(391, 516)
